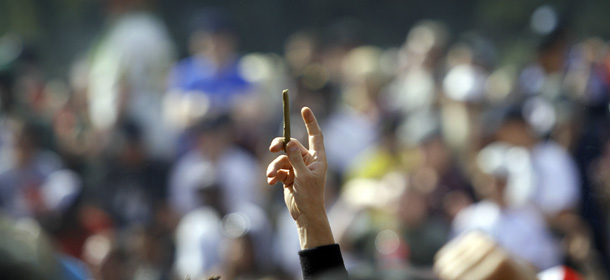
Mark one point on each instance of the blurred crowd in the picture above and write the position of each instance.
(141, 165)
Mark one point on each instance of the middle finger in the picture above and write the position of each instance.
(281, 162)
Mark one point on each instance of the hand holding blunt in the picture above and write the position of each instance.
(303, 173)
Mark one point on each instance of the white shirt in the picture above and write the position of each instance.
(237, 173)
(557, 179)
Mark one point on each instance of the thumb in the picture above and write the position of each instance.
(295, 157)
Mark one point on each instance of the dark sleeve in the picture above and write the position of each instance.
(324, 262)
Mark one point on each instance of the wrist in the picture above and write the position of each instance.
(314, 231)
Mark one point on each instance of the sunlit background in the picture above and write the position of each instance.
(134, 134)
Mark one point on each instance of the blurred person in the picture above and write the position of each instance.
(18, 60)
(215, 239)
(20, 182)
(153, 252)
(586, 77)
(394, 234)
(6, 131)
(545, 76)
(198, 234)
(211, 72)
(352, 126)
(27, 253)
(464, 91)
(214, 81)
(303, 56)
(599, 179)
(557, 184)
(115, 266)
(313, 87)
(61, 193)
(127, 73)
(76, 140)
(591, 156)
(242, 259)
(57, 195)
(386, 156)
(134, 185)
(352, 131)
(256, 113)
(6, 90)
(415, 86)
(423, 230)
(352, 72)
(339, 38)
(547, 79)
(441, 177)
(504, 212)
(365, 208)
(30, 253)
(215, 145)
(28, 99)
(301, 50)
(586, 83)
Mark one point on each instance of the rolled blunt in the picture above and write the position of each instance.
(286, 105)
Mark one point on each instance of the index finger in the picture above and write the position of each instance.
(316, 139)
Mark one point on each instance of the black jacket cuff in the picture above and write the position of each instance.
(324, 262)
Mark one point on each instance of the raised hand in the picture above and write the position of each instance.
(303, 173)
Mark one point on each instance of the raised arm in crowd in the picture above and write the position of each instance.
(303, 174)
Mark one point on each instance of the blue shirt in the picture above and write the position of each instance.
(200, 75)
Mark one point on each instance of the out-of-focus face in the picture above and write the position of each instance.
(552, 60)
(239, 258)
(213, 143)
(114, 266)
(300, 51)
(490, 187)
(25, 147)
(133, 154)
(516, 133)
(413, 207)
(218, 46)
(435, 154)
(211, 197)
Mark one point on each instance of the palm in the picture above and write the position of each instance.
(299, 192)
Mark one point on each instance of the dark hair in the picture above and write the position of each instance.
(212, 20)
(131, 130)
(558, 37)
(212, 124)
